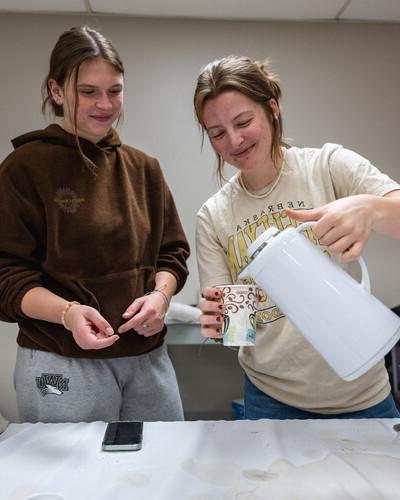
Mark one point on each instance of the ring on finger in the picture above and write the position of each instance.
(145, 325)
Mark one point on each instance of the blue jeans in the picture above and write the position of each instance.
(258, 405)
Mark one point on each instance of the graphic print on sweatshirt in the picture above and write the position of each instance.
(68, 200)
(246, 232)
(52, 383)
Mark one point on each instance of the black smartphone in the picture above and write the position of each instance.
(123, 436)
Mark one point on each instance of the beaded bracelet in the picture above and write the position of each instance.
(67, 308)
(162, 293)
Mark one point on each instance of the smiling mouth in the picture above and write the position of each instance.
(243, 152)
(102, 118)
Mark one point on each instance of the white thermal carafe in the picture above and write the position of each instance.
(350, 328)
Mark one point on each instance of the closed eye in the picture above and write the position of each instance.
(217, 135)
(244, 124)
(86, 91)
(92, 91)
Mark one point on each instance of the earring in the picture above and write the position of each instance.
(276, 117)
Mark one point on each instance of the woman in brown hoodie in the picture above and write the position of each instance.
(91, 251)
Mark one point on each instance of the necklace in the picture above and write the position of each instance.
(270, 187)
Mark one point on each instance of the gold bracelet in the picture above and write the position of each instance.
(66, 309)
(162, 293)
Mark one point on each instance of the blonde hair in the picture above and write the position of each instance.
(252, 79)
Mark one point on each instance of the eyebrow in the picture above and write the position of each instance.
(89, 85)
(235, 118)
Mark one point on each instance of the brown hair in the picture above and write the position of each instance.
(73, 47)
(249, 77)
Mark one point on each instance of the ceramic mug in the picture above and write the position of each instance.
(241, 304)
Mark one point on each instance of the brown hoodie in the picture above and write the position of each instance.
(97, 239)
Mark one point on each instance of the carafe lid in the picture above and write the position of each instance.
(257, 245)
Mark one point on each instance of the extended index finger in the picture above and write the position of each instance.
(304, 215)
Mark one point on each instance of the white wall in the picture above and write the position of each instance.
(340, 81)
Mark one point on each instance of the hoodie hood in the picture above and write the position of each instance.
(54, 134)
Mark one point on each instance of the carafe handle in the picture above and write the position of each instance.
(365, 281)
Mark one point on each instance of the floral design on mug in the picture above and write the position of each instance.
(225, 326)
(251, 332)
(236, 300)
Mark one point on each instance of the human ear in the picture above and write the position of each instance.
(56, 91)
(274, 107)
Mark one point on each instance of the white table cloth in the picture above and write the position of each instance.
(206, 460)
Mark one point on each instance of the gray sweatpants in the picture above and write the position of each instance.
(53, 388)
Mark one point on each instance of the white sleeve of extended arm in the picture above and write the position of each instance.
(353, 174)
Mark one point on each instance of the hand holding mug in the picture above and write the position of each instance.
(212, 317)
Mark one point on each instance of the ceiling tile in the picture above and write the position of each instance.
(43, 6)
(372, 10)
(223, 9)
(291, 10)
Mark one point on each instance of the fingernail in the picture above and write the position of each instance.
(216, 294)
(109, 330)
(218, 318)
(218, 330)
(126, 313)
(221, 306)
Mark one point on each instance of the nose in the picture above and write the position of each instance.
(235, 138)
(104, 102)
